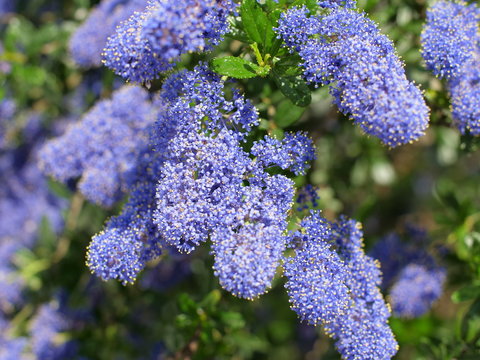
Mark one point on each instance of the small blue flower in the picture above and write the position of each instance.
(103, 148)
(294, 152)
(450, 37)
(150, 42)
(88, 41)
(346, 50)
(415, 290)
(246, 258)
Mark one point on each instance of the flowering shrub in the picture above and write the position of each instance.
(197, 155)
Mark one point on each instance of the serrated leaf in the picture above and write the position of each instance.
(259, 26)
(289, 66)
(235, 67)
(470, 328)
(254, 20)
(466, 293)
(287, 113)
(294, 88)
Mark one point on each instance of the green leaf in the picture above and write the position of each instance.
(235, 67)
(289, 66)
(211, 300)
(294, 88)
(287, 113)
(310, 4)
(470, 328)
(259, 26)
(232, 319)
(466, 293)
(254, 20)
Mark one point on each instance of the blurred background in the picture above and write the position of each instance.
(51, 307)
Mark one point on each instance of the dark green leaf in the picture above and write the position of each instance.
(259, 26)
(289, 66)
(466, 293)
(294, 88)
(287, 113)
(470, 328)
(254, 20)
(235, 67)
(310, 4)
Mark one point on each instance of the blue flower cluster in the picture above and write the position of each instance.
(88, 41)
(46, 336)
(104, 147)
(199, 181)
(7, 6)
(411, 275)
(7, 112)
(295, 151)
(150, 42)
(337, 3)
(332, 282)
(346, 50)
(451, 49)
(416, 289)
(25, 202)
(50, 320)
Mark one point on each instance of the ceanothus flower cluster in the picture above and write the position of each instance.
(332, 282)
(367, 80)
(104, 147)
(88, 41)
(150, 42)
(337, 3)
(25, 203)
(207, 185)
(416, 289)
(411, 275)
(50, 320)
(451, 50)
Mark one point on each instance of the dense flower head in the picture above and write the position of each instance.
(246, 258)
(150, 42)
(26, 204)
(337, 3)
(130, 239)
(411, 274)
(88, 41)
(416, 289)
(197, 100)
(316, 276)
(450, 37)
(331, 281)
(294, 152)
(205, 167)
(211, 187)
(346, 49)
(363, 332)
(465, 96)
(193, 193)
(203, 181)
(50, 320)
(104, 146)
(130, 56)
